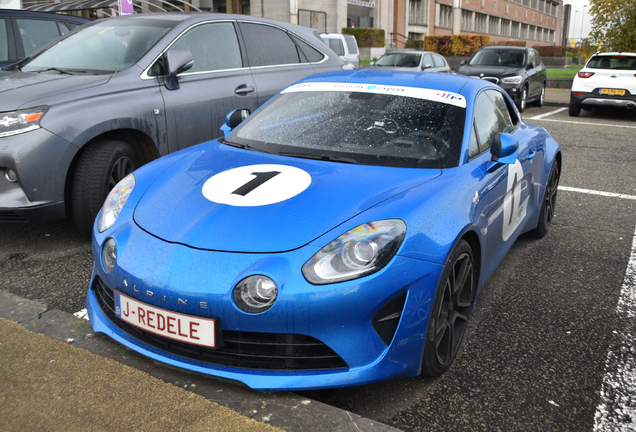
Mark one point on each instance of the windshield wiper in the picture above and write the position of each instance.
(63, 71)
(319, 157)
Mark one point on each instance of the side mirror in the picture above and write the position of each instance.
(531, 65)
(504, 150)
(427, 66)
(372, 63)
(233, 119)
(176, 62)
(463, 62)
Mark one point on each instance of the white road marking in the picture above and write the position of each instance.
(547, 114)
(582, 123)
(593, 192)
(616, 411)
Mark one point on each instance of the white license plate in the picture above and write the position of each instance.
(184, 328)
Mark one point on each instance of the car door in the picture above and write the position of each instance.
(217, 83)
(509, 187)
(275, 58)
(440, 63)
(536, 74)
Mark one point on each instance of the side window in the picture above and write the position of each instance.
(213, 46)
(63, 27)
(4, 41)
(36, 33)
(267, 45)
(439, 61)
(537, 59)
(491, 117)
(427, 60)
(311, 53)
(351, 44)
(336, 46)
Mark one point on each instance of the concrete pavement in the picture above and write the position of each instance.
(56, 374)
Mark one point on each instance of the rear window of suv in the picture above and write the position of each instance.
(612, 62)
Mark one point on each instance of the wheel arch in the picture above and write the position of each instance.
(142, 144)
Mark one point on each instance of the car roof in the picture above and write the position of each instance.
(47, 15)
(502, 47)
(614, 54)
(444, 82)
(410, 52)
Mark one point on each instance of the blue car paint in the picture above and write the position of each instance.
(163, 248)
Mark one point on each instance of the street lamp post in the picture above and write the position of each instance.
(574, 25)
(582, 19)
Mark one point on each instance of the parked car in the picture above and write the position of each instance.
(413, 60)
(518, 70)
(80, 115)
(345, 46)
(338, 236)
(607, 80)
(23, 32)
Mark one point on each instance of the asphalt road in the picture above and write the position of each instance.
(536, 353)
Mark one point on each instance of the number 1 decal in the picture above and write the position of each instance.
(514, 209)
(256, 185)
(261, 177)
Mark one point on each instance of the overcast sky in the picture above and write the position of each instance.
(577, 17)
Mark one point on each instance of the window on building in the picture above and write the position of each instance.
(493, 25)
(444, 16)
(417, 11)
(467, 20)
(481, 22)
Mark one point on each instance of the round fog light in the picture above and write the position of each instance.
(11, 175)
(255, 294)
(109, 254)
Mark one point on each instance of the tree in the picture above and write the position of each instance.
(614, 24)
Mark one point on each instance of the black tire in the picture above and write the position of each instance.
(449, 316)
(523, 101)
(100, 167)
(574, 109)
(539, 102)
(546, 214)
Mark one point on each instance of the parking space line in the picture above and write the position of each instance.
(616, 410)
(583, 123)
(547, 114)
(593, 192)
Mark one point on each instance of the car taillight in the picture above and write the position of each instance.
(585, 74)
(577, 94)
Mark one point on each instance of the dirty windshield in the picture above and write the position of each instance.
(104, 47)
(359, 123)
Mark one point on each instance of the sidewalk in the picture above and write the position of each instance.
(557, 96)
(56, 374)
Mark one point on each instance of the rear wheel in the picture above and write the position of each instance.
(546, 214)
(539, 102)
(100, 167)
(574, 109)
(449, 317)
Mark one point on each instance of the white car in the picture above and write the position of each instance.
(607, 80)
(413, 61)
(345, 46)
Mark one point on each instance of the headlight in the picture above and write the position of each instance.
(17, 122)
(255, 294)
(512, 80)
(115, 202)
(359, 252)
(109, 254)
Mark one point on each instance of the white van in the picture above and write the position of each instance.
(344, 45)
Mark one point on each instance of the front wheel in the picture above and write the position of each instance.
(524, 99)
(546, 214)
(449, 317)
(100, 167)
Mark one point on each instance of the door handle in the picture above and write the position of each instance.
(532, 153)
(243, 89)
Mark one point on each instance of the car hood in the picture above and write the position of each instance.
(175, 209)
(24, 89)
(490, 71)
(398, 68)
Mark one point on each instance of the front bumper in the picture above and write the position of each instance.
(341, 317)
(595, 99)
(41, 161)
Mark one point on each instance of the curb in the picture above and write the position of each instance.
(284, 410)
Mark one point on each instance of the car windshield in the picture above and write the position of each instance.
(510, 58)
(399, 60)
(104, 47)
(613, 62)
(356, 123)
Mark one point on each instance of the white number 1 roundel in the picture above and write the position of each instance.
(256, 185)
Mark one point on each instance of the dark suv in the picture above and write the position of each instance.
(78, 116)
(518, 70)
(23, 32)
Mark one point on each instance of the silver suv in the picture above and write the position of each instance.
(78, 116)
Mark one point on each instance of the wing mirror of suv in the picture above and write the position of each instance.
(504, 150)
(176, 61)
(233, 119)
(463, 62)
(531, 65)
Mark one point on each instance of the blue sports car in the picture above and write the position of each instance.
(337, 236)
